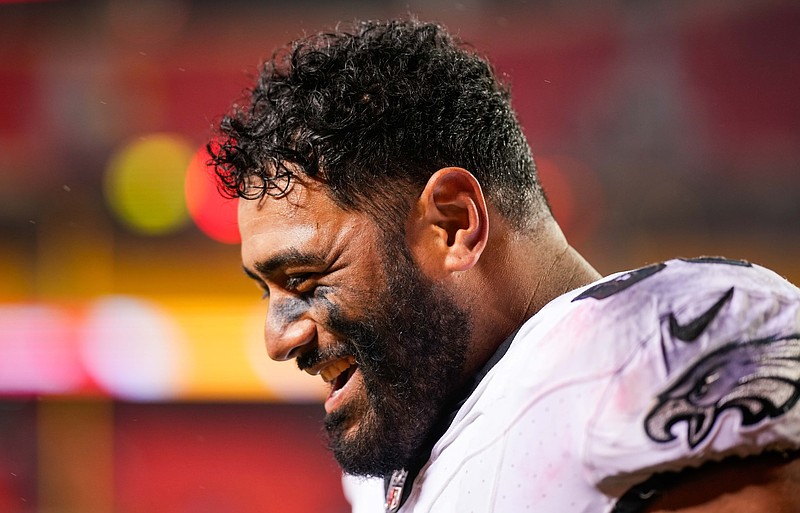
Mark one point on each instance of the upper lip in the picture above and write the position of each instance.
(331, 370)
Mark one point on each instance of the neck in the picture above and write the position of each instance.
(558, 269)
(520, 274)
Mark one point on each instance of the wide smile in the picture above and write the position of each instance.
(338, 374)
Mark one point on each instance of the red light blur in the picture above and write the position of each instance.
(214, 214)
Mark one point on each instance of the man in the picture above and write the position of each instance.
(391, 212)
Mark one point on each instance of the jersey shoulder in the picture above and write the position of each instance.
(714, 369)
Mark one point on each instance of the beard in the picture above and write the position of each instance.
(410, 347)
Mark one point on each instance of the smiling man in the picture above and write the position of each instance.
(347, 301)
(391, 212)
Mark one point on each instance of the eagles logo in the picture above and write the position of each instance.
(760, 379)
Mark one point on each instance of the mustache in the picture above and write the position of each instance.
(315, 356)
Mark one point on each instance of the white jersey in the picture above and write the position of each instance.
(652, 370)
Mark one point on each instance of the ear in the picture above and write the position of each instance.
(452, 224)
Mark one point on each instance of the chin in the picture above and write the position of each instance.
(360, 445)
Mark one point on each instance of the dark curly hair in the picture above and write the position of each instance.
(373, 112)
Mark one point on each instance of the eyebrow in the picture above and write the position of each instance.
(283, 259)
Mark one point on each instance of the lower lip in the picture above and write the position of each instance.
(340, 396)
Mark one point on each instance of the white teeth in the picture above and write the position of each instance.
(334, 369)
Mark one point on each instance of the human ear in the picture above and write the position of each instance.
(453, 225)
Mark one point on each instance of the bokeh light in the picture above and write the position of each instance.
(133, 349)
(217, 367)
(213, 213)
(144, 183)
(37, 353)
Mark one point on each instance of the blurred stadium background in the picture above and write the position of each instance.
(132, 371)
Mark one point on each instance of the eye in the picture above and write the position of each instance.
(300, 283)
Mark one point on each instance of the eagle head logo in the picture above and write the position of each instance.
(759, 378)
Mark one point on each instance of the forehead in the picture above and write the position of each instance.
(306, 219)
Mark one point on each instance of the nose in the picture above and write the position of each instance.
(288, 329)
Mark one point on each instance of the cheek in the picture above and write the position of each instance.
(326, 304)
(343, 303)
(322, 294)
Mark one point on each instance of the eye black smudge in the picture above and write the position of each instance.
(289, 309)
(322, 292)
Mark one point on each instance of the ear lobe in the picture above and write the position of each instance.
(454, 211)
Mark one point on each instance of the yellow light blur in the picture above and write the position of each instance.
(217, 366)
(144, 183)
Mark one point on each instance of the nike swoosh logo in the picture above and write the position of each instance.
(690, 331)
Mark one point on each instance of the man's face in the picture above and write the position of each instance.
(348, 302)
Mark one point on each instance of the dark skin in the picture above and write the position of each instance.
(761, 484)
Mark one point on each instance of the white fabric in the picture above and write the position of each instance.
(365, 495)
(586, 402)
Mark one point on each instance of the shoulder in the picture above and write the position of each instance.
(675, 283)
(680, 309)
(714, 371)
(677, 310)
(670, 287)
